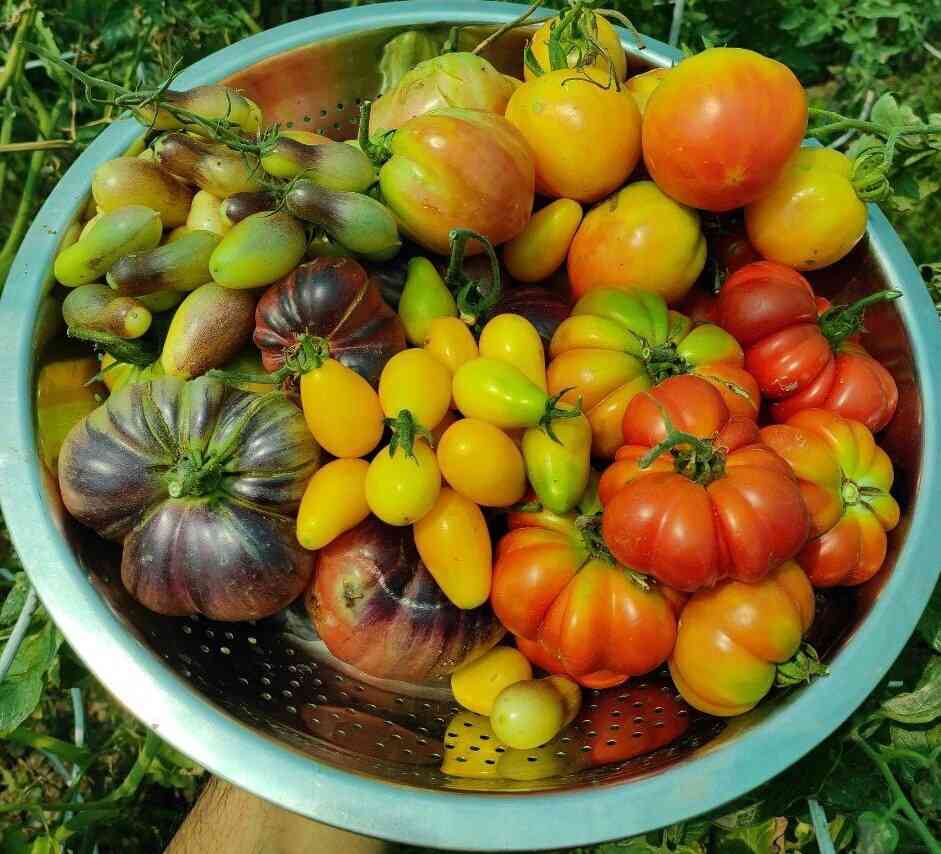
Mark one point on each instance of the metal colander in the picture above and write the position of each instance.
(265, 705)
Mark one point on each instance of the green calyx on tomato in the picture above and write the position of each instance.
(804, 666)
(307, 354)
(595, 548)
(405, 432)
(840, 322)
(554, 411)
(698, 459)
(475, 300)
(378, 148)
(574, 41)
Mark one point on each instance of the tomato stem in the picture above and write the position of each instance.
(405, 432)
(839, 322)
(509, 25)
(804, 666)
(555, 412)
(378, 148)
(474, 300)
(138, 351)
(589, 527)
(307, 354)
(663, 362)
(698, 459)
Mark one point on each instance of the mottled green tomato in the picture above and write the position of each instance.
(258, 250)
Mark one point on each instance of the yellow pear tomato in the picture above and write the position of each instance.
(334, 502)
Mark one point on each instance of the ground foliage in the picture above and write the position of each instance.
(78, 774)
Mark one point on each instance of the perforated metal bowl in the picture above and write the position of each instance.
(264, 706)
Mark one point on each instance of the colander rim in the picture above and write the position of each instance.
(445, 819)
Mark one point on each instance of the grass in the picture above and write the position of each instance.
(876, 780)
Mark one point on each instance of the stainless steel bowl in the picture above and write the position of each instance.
(264, 706)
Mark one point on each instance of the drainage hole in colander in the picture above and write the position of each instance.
(252, 640)
(585, 748)
(228, 636)
(286, 694)
(561, 754)
(380, 745)
(316, 682)
(335, 715)
(435, 757)
(294, 683)
(637, 704)
(658, 723)
(340, 108)
(500, 749)
(422, 741)
(187, 630)
(591, 733)
(187, 673)
(467, 724)
(614, 727)
(461, 759)
(396, 736)
(225, 650)
(484, 737)
(338, 677)
(400, 701)
(266, 666)
(291, 710)
(638, 720)
(636, 734)
(209, 634)
(265, 695)
(611, 742)
(265, 680)
(243, 680)
(532, 758)
(321, 698)
(658, 710)
(616, 713)
(475, 748)
(449, 747)
(594, 707)
(490, 762)
(565, 739)
(204, 648)
(323, 113)
(344, 695)
(357, 725)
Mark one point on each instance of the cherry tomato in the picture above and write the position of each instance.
(416, 381)
(732, 637)
(639, 238)
(694, 497)
(450, 340)
(642, 86)
(454, 168)
(584, 133)
(558, 468)
(511, 338)
(811, 217)
(482, 463)
(617, 343)
(533, 711)
(555, 585)
(454, 543)
(403, 482)
(540, 248)
(846, 481)
(342, 409)
(801, 361)
(476, 685)
(333, 503)
(720, 127)
(503, 395)
(586, 39)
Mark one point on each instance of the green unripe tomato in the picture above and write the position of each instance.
(530, 713)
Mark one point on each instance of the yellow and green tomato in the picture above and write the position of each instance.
(558, 466)
(511, 338)
(532, 712)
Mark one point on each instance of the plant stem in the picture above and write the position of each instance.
(55, 746)
(679, 9)
(34, 145)
(14, 62)
(509, 25)
(918, 826)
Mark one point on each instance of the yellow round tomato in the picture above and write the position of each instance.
(613, 59)
(334, 502)
(342, 410)
(415, 380)
(450, 340)
(529, 713)
(639, 238)
(511, 338)
(403, 483)
(540, 249)
(477, 684)
(482, 463)
(454, 543)
(811, 217)
(583, 132)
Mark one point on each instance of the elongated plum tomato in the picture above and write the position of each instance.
(731, 639)
(511, 338)
(540, 249)
(693, 496)
(460, 79)
(334, 501)
(720, 127)
(609, 60)
(812, 216)
(454, 543)
(554, 584)
(845, 479)
(477, 684)
(641, 239)
(417, 381)
(454, 168)
(482, 463)
(376, 607)
(403, 481)
(450, 341)
(558, 468)
(617, 343)
(584, 133)
(800, 360)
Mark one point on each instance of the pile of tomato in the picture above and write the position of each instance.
(460, 383)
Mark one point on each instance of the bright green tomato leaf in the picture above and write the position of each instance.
(19, 696)
(15, 599)
(921, 706)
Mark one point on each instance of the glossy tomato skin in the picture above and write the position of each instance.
(639, 238)
(454, 168)
(741, 523)
(721, 126)
(773, 313)
(589, 615)
(335, 299)
(584, 134)
(482, 463)
(846, 481)
(811, 217)
(731, 637)
(616, 343)
(642, 86)
(540, 249)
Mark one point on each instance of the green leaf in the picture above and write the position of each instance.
(887, 111)
(921, 706)
(15, 599)
(929, 626)
(764, 838)
(875, 834)
(18, 699)
(920, 738)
